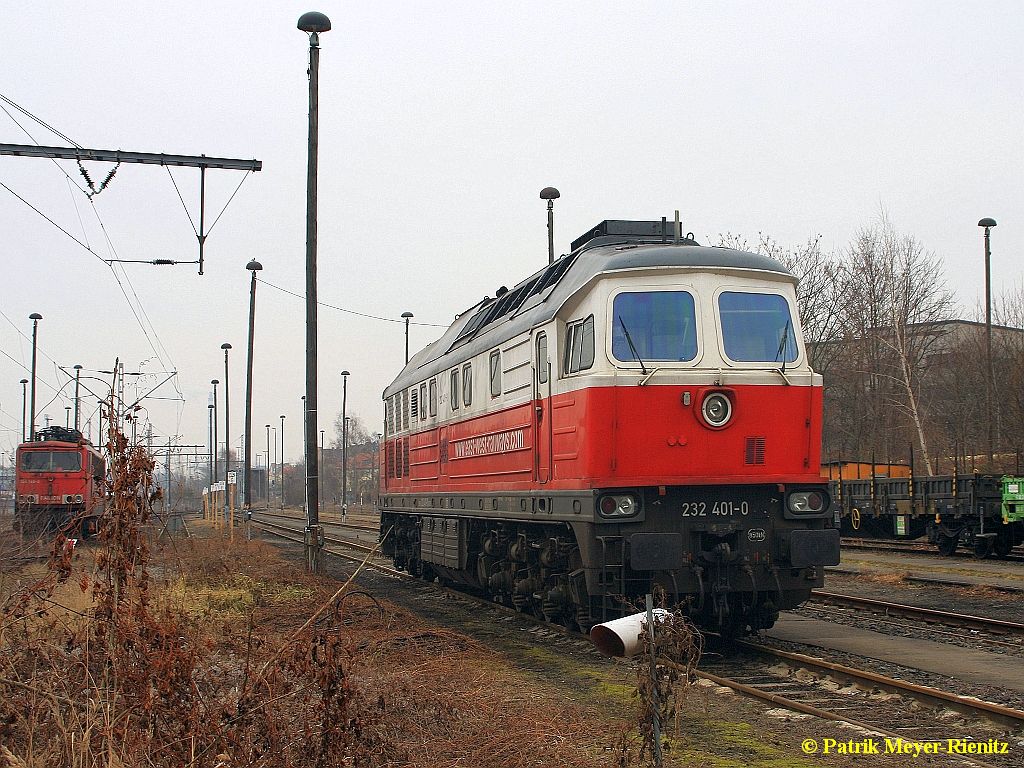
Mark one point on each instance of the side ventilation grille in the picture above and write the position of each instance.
(754, 452)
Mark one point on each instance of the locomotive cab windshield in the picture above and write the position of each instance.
(51, 461)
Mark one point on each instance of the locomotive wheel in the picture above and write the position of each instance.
(947, 544)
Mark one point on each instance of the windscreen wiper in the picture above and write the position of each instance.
(632, 346)
(781, 353)
(783, 344)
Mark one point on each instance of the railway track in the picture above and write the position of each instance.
(794, 681)
(323, 521)
(925, 615)
(915, 548)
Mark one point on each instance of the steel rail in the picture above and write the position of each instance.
(807, 709)
(383, 568)
(963, 704)
(914, 612)
(354, 526)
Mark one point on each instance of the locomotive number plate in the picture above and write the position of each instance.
(714, 508)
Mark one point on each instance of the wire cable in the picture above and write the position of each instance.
(45, 125)
(245, 176)
(34, 141)
(349, 311)
(58, 226)
(175, 183)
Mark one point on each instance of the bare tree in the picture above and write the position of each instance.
(357, 432)
(898, 302)
(819, 293)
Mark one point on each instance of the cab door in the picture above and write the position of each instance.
(542, 408)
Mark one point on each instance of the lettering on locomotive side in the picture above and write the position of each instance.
(500, 442)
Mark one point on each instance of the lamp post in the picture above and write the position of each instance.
(213, 450)
(216, 464)
(35, 317)
(281, 465)
(550, 194)
(344, 443)
(67, 417)
(268, 467)
(254, 267)
(344, 425)
(78, 380)
(988, 224)
(227, 433)
(23, 383)
(407, 316)
(312, 23)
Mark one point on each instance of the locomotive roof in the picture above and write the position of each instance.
(47, 445)
(538, 298)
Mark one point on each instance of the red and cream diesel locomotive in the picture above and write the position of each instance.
(639, 412)
(60, 484)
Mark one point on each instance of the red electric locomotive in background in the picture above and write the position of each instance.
(642, 411)
(60, 484)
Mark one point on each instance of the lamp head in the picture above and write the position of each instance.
(225, 345)
(78, 367)
(407, 315)
(35, 316)
(314, 21)
(549, 193)
(987, 222)
(254, 266)
(215, 382)
(23, 381)
(345, 373)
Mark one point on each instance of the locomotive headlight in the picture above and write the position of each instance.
(716, 409)
(806, 502)
(618, 506)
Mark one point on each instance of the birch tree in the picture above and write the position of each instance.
(899, 299)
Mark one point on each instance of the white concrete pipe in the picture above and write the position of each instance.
(621, 637)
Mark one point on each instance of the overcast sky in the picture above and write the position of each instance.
(440, 123)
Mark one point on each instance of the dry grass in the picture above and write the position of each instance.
(212, 653)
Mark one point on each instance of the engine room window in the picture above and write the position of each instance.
(579, 346)
(662, 326)
(542, 358)
(455, 390)
(467, 384)
(414, 403)
(757, 327)
(433, 397)
(495, 370)
(423, 402)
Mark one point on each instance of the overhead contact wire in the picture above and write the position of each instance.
(45, 125)
(349, 311)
